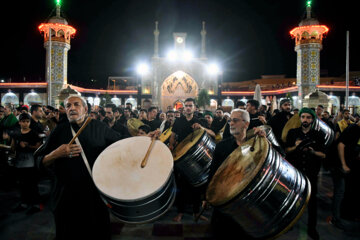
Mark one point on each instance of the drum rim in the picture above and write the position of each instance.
(250, 178)
(201, 134)
(291, 224)
(133, 199)
(172, 198)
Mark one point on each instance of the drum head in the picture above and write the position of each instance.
(184, 146)
(294, 122)
(117, 171)
(237, 171)
(250, 133)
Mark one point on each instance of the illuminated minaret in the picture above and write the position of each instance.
(57, 45)
(308, 39)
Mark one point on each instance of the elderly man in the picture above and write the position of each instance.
(78, 209)
(223, 226)
(305, 150)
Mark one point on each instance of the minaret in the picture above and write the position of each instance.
(156, 40)
(308, 43)
(203, 41)
(57, 45)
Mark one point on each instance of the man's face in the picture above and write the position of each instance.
(128, 105)
(319, 111)
(326, 115)
(153, 113)
(162, 116)
(237, 124)
(25, 123)
(219, 114)
(7, 111)
(209, 119)
(109, 113)
(93, 115)
(116, 114)
(306, 120)
(346, 115)
(189, 108)
(75, 110)
(127, 112)
(286, 107)
(177, 114)
(170, 117)
(38, 113)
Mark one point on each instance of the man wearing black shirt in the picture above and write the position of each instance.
(349, 154)
(218, 123)
(225, 227)
(112, 123)
(153, 122)
(36, 114)
(183, 126)
(305, 150)
(279, 121)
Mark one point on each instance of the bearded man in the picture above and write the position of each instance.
(77, 206)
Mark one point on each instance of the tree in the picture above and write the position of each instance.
(288, 96)
(105, 99)
(203, 98)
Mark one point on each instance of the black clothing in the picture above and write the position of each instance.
(223, 226)
(36, 126)
(76, 203)
(254, 121)
(350, 137)
(154, 124)
(307, 163)
(182, 127)
(118, 127)
(217, 125)
(329, 123)
(277, 124)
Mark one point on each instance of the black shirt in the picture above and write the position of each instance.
(305, 161)
(182, 127)
(350, 137)
(36, 126)
(222, 150)
(254, 121)
(277, 124)
(217, 124)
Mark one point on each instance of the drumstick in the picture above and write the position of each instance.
(144, 161)
(253, 144)
(80, 130)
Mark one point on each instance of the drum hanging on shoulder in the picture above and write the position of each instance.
(269, 135)
(135, 194)
(261, 191)
(193, 157)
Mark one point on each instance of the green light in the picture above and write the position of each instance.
(308, 3)
(58, 2)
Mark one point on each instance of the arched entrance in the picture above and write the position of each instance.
(177, 86)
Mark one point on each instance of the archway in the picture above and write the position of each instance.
(177, 86)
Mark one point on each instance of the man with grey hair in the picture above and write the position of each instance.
(78, 209)
(224, 227)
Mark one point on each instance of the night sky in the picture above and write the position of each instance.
(248, 38)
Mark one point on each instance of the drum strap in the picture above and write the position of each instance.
(82, 152)
(87, 164)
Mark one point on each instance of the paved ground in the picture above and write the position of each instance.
(19, 226)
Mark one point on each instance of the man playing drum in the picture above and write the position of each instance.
(223, 226)
(305, 150)
(78, 209)
(184, 126)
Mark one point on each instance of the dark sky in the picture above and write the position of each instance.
(248, 38)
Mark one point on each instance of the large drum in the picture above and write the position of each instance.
(269, 135)
(318, 125)
(135, 194)
(262, 192)
(193, 157)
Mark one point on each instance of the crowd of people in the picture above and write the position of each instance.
(75, 201)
